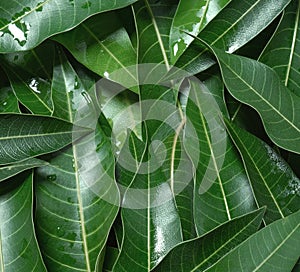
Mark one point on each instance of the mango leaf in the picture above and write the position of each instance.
(200, 253)
(282, 51)
(150, 219)
(273, 182)
(25, 136)
(10, 170)
(191, 17)
(25, 26)
(30, 76)
(276, 105)
(274, 248)
(102, 49)
(19, 250)
(222, 189)
(81, 214)
(233, 27)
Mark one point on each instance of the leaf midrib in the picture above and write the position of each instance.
(259, 95)
(292, 46)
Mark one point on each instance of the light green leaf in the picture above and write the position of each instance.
(30, 76)
(77, 192)
(283, 50)
(273, 182)
(233, 27)
(102, 49)
(25, 26)
(222, 190)
(274, 248)
(191, 17)
(19, 250)
(257, 85)
(10, 170)
(200, 253)
(26, 136)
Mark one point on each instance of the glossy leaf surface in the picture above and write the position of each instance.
(24, 26)
(276, 105)
(274, 248)
(33, 135)
(273, 182)
(19, 250)
(200, 253)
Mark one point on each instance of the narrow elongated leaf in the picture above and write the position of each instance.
(283, 50)
(257, 85)
(273, 182)
(232, 28)
(191, 17)
(10, 170)
(150, 220)
(26, 136)
(30, 74)
(102, 49)
(274, 248)
(77, 192)
(222, 190)
(18, 246)
(200, 253)
(24, 26)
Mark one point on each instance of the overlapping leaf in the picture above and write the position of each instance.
(218, 168)
(257, 85)
(102, 49)
(273, 182)
(77, 191)
(10, 170)
(274, 248)
(26, 136)
(283, 50)
(24, 26)
(19, 250)
(191, 17)
(30, 74)
(232, 28)
(150, 219)
(200, 253)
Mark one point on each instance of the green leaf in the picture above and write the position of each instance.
(77, 190)
(150, 220)
(30, 76)
(257, 85)
(25, 26)
(273, 182)
(10, 170)
(18, 246)
(233, 27)
(26, 136)
(222, 189)
(283, 50)
(111, 256)
(200, 253)
(102, 49)
(274, 248)
(191, 17)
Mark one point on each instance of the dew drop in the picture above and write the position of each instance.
(51, 177)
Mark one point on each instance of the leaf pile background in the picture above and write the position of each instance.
(193, 165)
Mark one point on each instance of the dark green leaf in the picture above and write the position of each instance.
(273, 182)
(283, 50)
(18, 246)
(274, 248)
(257, 85)
(26, 136)
(24, 26)
(201, 253)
